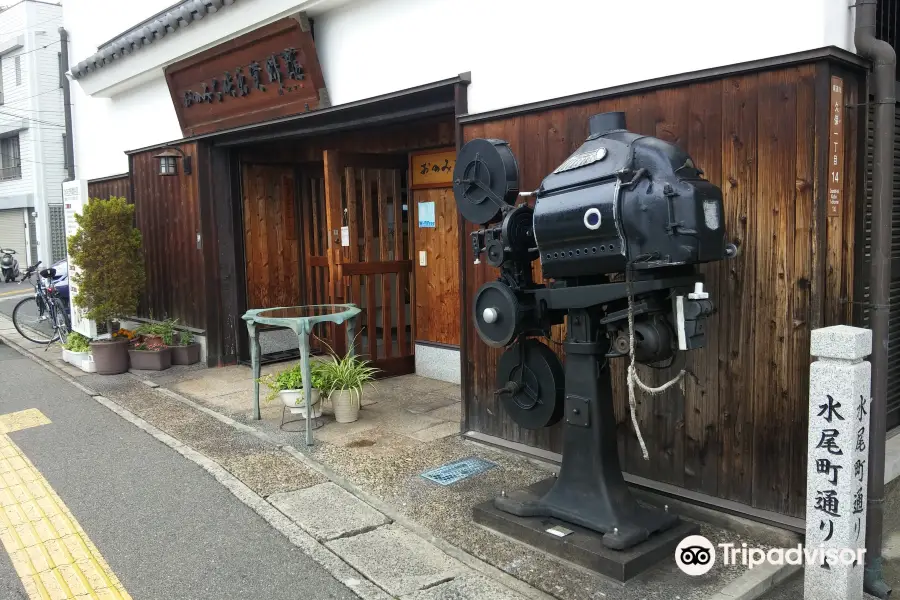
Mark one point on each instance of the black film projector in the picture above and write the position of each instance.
(623, 222)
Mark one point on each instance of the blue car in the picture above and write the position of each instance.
(61, 280)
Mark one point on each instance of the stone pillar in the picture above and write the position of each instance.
(837, 470)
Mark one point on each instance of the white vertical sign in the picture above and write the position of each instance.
(75, 196)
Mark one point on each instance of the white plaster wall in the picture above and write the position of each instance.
(517, 50)
(104, 128)
(522, 51)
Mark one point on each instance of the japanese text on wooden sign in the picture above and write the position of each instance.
(433, 169)
(237, 84)
(836, 147)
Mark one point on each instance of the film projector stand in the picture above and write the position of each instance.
(589, 503)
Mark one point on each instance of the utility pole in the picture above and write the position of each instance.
(67, 102)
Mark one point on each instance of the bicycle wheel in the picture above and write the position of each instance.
(32, 323)
(62, 321)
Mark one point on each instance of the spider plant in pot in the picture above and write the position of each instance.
(288, 386)
(344, 379)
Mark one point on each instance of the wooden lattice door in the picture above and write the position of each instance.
(376, 270)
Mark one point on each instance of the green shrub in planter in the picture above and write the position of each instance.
(164, 330)
(107, 250)
(75, 342)
(110, 275)
(292, 379)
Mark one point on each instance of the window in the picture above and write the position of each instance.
(18, 70)
(1, 81)
(10, 163)
(167, 165)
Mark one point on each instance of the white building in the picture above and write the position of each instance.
(32, 132)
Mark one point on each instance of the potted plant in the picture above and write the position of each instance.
(344, 379)
(150, 354)
(156, 334)
(109, 274)
(288, 386)
(77, 351)
(185, 351)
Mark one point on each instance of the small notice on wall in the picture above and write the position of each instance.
(426, 214)
(345, 236)
(432, 169)
(836, 147)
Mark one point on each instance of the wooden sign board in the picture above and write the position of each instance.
(836, 148)
(432, 168)
(270, 72)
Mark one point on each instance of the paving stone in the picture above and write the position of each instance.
(328, 512)
(466, 587)
(396, 560)
(451, 413)
(271, 472)
(437, 432)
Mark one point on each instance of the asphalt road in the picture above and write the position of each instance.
(167, 529)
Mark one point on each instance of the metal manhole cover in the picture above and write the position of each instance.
(457, 471)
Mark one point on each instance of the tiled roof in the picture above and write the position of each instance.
(168, 23)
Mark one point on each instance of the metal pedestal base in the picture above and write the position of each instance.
(584, 547)
(590, 490)
(316, 422)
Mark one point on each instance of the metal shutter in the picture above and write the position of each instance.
(12, 233)
(864, 261)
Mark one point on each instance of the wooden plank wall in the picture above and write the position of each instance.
(737, 429)
(167, 213)
(110, 186)
(271, 240)
(437, 283)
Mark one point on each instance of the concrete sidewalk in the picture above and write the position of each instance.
(403, 535)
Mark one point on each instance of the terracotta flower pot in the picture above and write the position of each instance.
(186, 355)
(151, 360)
(346, 405)
(110, 356)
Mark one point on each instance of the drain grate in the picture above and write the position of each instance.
(457, 471)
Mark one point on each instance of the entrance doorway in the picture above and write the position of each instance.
(300, 250)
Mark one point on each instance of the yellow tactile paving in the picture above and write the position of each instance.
(24, 419)
(48, 548)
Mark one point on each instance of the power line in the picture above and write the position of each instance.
(31, 119)
(56, 112)
(20, 159)
(34, 50)
(35, 96)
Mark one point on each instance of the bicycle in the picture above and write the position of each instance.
(42, 318)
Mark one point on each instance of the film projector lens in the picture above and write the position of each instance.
(531, 384)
